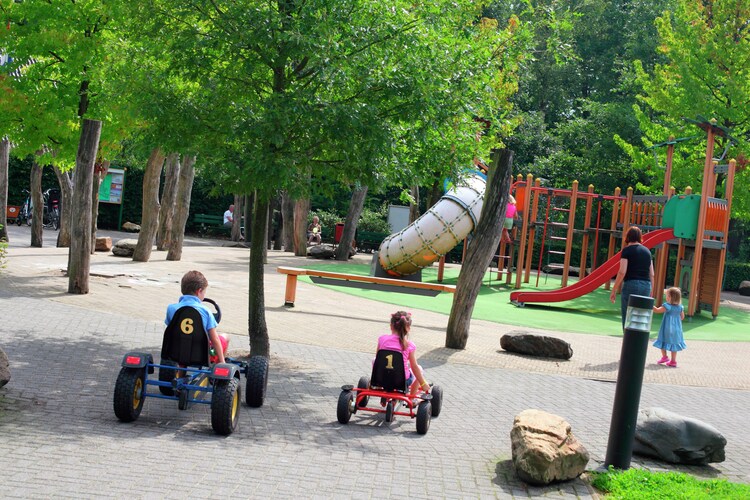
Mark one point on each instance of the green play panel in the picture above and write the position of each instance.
(592, 313)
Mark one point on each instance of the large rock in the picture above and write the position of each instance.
(4, 368)
(124, 247)
(676, 439)
(536, 345)
(321, 251)
(745, 288)
(544, 448)
(131, 228)
(103, 244)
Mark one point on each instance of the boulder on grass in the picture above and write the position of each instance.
(745, 288)
(536, 345)
(131, 228)
(676, 439)
(125, 247)
(103, 244)
(4, 368)
(544, 448)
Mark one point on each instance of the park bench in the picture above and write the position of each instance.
(213, 224)
(293, 272)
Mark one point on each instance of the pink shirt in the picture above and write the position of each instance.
(510, 211)
(393, 343)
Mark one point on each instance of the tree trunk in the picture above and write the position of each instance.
(100, 170)
(4, 161)
(182, 207)
(247, 209)
(150, 207)
(239, 209)
(79, 254)
(168, 198)
(301, 209)
(37, 218)
(277, 223)
(414, 207)
(350, 224)
(287, 222)
(269, 223)
(257, 328)
(65, 180)
(481, 250)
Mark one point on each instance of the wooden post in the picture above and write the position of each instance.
(524, 229)
(532, 230)
(79, 254)
(613, 229)
(680, 251)
(291, 290)
(569, 235)
(662, 255)
(441, 269)
(586, 226)
(728, 192)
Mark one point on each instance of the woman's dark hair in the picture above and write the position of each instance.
(401, 323)
(634, 235)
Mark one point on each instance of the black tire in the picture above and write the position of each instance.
(167, 375)
(28, 221)
(364, 383)
(225, 406)
(129, 393)
(257, 380)
(55, 220)
(389, 407)
(424, 414)
(437, 400)
(344, 407)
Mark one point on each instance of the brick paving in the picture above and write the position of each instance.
(59, 436)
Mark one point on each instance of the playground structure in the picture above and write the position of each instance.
(696, 225)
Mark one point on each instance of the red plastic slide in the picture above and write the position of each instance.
(594, 280)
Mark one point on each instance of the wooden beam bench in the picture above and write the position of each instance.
(293, 272)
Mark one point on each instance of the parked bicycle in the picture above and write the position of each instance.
(50, 212)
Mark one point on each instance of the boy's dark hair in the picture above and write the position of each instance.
(634, 235)
(193, 281)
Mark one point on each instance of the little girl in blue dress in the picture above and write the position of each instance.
(670, 333)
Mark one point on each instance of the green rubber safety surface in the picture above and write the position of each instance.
(592, 313)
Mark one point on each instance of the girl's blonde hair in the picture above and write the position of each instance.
(511, 199)
(401, 324)
(674, 295)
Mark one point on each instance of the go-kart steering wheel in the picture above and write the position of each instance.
(217, 314)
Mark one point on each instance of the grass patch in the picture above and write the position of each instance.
(642, 485)
(592, 313)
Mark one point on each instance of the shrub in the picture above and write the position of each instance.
(375, 221)
(736, 273)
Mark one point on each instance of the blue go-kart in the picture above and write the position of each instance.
(388, 386)
(186, 375)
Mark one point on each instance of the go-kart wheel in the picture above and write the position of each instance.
(424, 414)
(225, 406)
(364, 383)
(167, 375)
(437, 400)
(182, 399)
(389, 407)
(257, 380)
(129, 393)
(345, 407)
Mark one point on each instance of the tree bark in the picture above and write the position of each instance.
(239, 209)
(301, 209)
(182, 207)
(481, 250)
(37, 218)
(168, 198)
(276, 217)
(257, 328)
(100, 171)
(247, 213)
(65, 180)
(79, 254)
(350, 224)
(269, 223)
(150, 207)
(287, 222)
(4, 162)
(414, 207)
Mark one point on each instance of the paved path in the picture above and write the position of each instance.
(59, 436)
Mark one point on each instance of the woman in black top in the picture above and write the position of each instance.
(636, 273)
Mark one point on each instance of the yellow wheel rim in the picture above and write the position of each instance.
(235, 404)
(137, 393)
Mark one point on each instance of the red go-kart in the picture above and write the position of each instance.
(388, 388)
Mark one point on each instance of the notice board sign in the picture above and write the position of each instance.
(110, 190)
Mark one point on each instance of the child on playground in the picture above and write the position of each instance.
(510, 214)
(670, 333)
(398, 340)
(193, 286)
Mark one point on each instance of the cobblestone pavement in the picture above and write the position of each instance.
(59, 436)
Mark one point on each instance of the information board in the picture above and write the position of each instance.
(110, 190)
